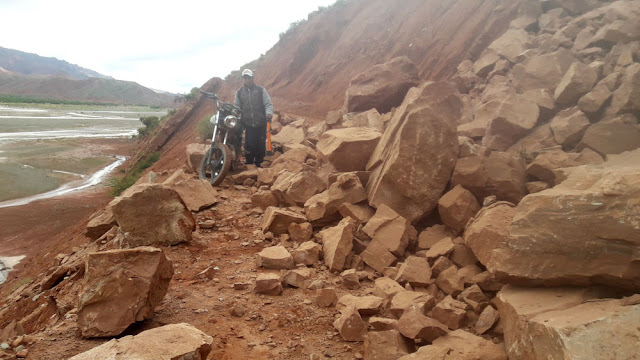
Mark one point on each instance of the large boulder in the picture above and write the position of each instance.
(498, 173)
(511, 44)
(121, 287)
(391, 230)
(292, 134)
(337, 243)
(613, 136)
(153, 214)
(173, 341)
(346, 189)
(459, 345)
(349, 149)
(413, 162)
(569, 126)
(101, 222)
(597, 245)
(296, 188)
(577, 81)
(456, 207)
(542, 71)
(382, 86)
(568, 323)
(197, 194)
(627, 97)
(515, 116)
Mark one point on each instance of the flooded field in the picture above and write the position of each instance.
(58, 148)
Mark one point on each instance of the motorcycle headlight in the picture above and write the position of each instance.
(231, 121)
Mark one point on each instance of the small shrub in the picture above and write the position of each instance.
(119, 185)
(150, 123)
(205, 128)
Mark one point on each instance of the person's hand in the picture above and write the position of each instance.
(269, 117)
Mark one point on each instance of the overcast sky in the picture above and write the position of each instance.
(166, 45)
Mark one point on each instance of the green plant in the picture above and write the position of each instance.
(205, 128)
(150, 123)
(192, 94)
(119, 185)
(17, 285)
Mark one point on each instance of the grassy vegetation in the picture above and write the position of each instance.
(12, 99)
(119, 185)
(18, 284)
(205, 128)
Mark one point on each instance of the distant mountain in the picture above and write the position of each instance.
(33, 76)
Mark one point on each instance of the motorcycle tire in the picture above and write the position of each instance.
(215, 164)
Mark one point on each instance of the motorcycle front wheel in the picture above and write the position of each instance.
(216, 164)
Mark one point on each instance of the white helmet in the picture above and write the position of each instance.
(247, 72)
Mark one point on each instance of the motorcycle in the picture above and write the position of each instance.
(225, 142)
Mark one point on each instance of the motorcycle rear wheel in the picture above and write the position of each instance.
(215, 164)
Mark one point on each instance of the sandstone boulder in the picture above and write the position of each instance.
(350, 325)
(593, 101)
(292, 134)
(486, 320)
(627, 97)
(450, 312)
(263, 199)
(499, 173)
(459, 345)
(275, 257)
(405, 299)
(173, 341)
(413, 161)
(197, 194)
(515, 116)
(365, 305)
(544, 166)
(370, 119)
(346, 189)
(389, 344)
(382, 86)
(613, 136)
(100, 222)
(337, 243)
(349, 149)
(415, 325)
(511, 44)
(308, 253)
(391, 230)
(456, 207)
(121, 287)
(153, 214)
(568, 127)
(195, 153)
(300, 232)
(277, 220)
(268, 284)
(361, 213)
(542, 71)
(296, 188)
(577, 81)
(415, 271)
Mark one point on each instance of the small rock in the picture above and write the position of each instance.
(238, 310)
(327, 297)
(268, 284)
(486, 320)
(207, 224)
(350, 325)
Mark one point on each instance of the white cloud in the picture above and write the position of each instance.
(168, 45)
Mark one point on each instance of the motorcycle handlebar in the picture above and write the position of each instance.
(214, 96)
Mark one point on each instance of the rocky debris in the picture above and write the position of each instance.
(388, 344)
(573, 314)
(405, 299)
(543, 71)
(414, 271)
(511, 44)
(459, 345)
(174, 341)
(498, 173)
(197, 194)
(386, 288)
(361, 213)
(371, 119)
(263, 199)
(350, 325)
(326, 297)
(298, 277)
(625, 98)
(568, 127)
(100, 222)
(515, 116)
(382, 86)
(195, 153)
(350, 279)
(487, 319)
(268, 284)
(613, 136)
(474, 297)
(292, 134)
(346, 189)
(456, 207)
(366, 305)
(295, 188)
(412, 164)
(450, 312)
(275, 257)
(432, 235)
(451, 281)
(277, 220)
(337, 243)
(390, 231)
(577, 81)
(415, 325)
(153, 214)
(308, 253)
(121, 287)
(300, 232)
(545, 165)
(443, 247)
(349, 149)
(267, 176)
(378, 256)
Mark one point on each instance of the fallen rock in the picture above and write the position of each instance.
(350, 325)
(121, 287)
(459, 345)
(412, 164)
(451, 281)
(511, 44)
(441, 264)
(545, 165)
(197, 194)
(613, 136)
(487, 319)
(292, 134)
(405, 299)
(432, 235)
(569, 126)
(414, 271)
(263, 199)
(100, 222)
(370, 119)
(308, 253)
(378, 256)
(296, 188)
(390, 230)
(389, 344)
(442, 248)
(327, 297)
(366, 305)
(415, 325)
(361, 213)
(349, 149)
(337, 243)
(300, 232)
(298, 277)
(450, 312)
(462, 255)
(544, 71)
(346, 189)
(382, 86)
(268, 284)
(456, 207)
(474, 297)
(627, 97)
(386, 287)
(195, 153)
(275, 257)
(382, 324)
(515, 116)
(277, 220)
(153, 214)
(573, 314)
(577, 81)
(174, 341)
(499, 173)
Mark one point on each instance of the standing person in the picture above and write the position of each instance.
(257, 110)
